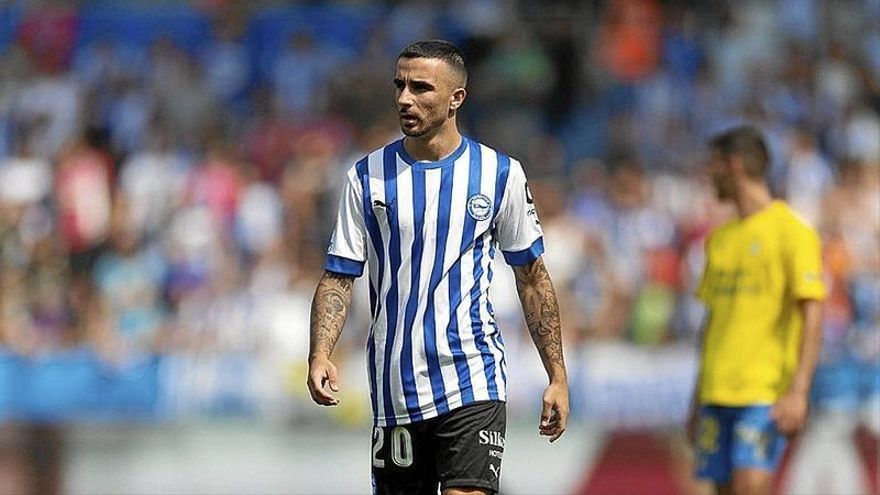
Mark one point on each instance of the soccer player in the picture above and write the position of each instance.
(763, 288)
(426, 214)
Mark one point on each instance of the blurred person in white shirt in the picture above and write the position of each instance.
(152, 182)
(52, 103)
(808, 176)
(25, 179)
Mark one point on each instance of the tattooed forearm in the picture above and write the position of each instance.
(329, 310)
(541, 310)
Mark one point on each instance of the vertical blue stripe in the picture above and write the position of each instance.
(390, 168)
(444, 206)
(462, 369)
(477, 322)
(501, 174)
(474, 182)
(374, 303)
(375, 233)
(496, 335)
(500, 181)
(453, 336)
(496, 338)
(371, 366)
(410, 392)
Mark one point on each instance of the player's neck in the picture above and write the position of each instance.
(752, 197)
(433, 147)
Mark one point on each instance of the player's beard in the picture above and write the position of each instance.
(422, 126)
(416, 131)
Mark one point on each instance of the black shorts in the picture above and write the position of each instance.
(462, 448)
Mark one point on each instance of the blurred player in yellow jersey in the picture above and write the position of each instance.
(763, 288)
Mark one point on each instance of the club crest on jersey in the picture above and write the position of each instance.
(479, 206)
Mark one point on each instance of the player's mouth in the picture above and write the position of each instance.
(408, 119)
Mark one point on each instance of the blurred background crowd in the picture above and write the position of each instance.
(169, 173)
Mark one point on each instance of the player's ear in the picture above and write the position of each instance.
(457, 98)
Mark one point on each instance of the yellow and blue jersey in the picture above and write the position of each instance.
(757, 269)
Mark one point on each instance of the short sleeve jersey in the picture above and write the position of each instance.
(428, 233)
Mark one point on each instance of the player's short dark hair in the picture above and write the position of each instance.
(747, 143)
(439, 49)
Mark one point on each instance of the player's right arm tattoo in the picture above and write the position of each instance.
(541, 309)
(329, 310)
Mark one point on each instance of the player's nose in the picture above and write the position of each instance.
(404, 99)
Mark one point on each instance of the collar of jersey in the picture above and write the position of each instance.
(423, 164)
(776, 203)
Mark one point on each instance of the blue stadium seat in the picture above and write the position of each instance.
(339, 27)
(10, 16)
(131, 392)
(10, 385)
(62, 386)
(76, 385)
(140, 25)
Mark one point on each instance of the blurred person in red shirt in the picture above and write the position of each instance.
(629, 40)
(217, 184)
(49, 33)
(84, 181)
(268, 137)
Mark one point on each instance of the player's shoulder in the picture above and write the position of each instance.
(357, 167)
(487, 150)
(721, 231)
(360, 164)
(354, 170)
(790, 221)
(485, 147)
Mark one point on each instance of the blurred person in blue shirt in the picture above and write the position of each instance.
(300, 73)
(128, 278)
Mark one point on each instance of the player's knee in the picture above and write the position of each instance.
(752, 482)
(724, 489)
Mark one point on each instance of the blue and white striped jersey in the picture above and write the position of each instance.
(429, 232)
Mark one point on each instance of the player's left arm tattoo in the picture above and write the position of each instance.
(541, 310)
(329, 311)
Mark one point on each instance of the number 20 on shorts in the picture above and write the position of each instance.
(401, 447)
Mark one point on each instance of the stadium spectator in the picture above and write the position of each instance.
(84, 181)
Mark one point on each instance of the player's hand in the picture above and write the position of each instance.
(322, 381)
(790, 413)
(554, 414)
